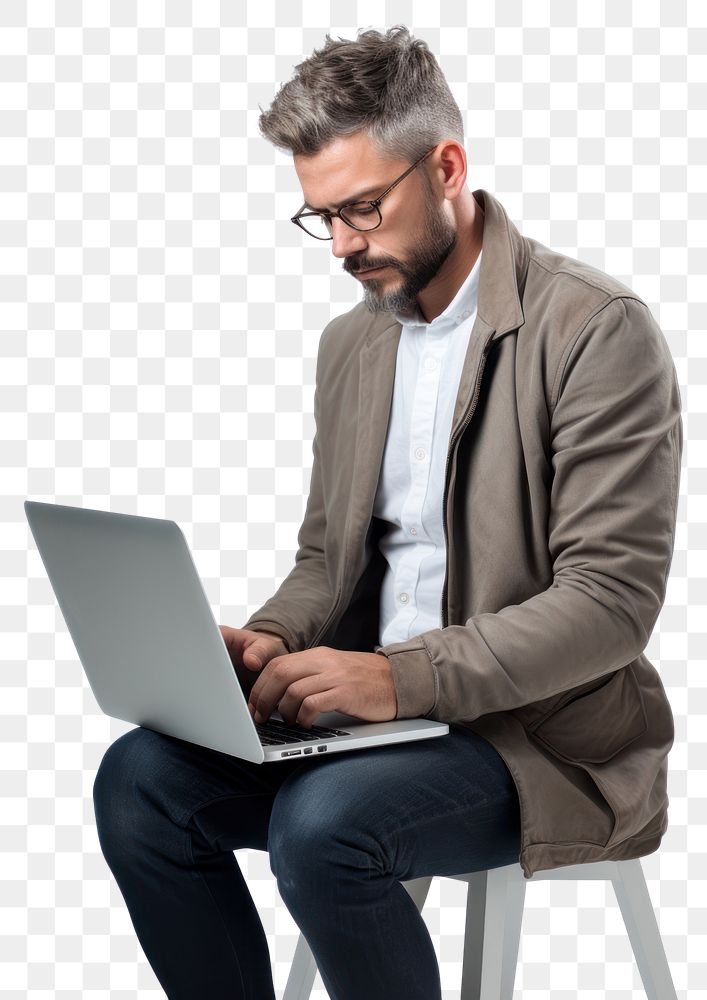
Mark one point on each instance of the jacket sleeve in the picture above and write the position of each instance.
(616, 443)
(304, 598)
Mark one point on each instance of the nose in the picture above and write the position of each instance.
(345, 240)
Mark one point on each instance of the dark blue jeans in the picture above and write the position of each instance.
(342, 831)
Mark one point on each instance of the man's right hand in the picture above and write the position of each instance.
(250, 651)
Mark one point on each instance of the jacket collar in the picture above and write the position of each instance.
(504, 265)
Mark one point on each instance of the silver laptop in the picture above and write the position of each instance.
(152, 650)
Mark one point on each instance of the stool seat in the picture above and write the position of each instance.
(494, 914)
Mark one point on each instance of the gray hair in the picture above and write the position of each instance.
(387, 85)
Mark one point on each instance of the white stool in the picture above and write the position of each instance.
(494, 913)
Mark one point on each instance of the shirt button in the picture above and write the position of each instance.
(430, 364)
(413, 531)
(420, 453)
(404, 598)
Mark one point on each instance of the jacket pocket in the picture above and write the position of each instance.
(596, 725)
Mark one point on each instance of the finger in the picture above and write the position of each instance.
(314, 704)
(259, 651)
(271, 684)
(232, 639)
(225, 631)
(276, 676)
(254, 656)
(251, 651)
(301, 700)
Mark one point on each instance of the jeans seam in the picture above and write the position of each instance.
(189, 855)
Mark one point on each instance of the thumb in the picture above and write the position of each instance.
(253, 656)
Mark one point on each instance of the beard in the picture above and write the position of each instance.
(437, 239)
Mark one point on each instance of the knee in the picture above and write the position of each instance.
(118, 806)
(309, 842)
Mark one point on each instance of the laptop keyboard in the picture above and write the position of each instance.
(275, 732)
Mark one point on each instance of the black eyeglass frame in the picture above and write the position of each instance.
(375, 204)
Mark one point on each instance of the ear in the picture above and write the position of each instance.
(449, 168)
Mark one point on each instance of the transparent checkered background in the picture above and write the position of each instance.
(159, 324)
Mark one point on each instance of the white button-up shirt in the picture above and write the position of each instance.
(411, 484)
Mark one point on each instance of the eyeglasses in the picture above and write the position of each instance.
(361, 215)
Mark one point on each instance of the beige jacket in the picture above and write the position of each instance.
(561, 490)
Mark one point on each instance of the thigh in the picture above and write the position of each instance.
(441, 806)
(146, 778)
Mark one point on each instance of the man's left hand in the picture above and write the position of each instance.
(322, 679)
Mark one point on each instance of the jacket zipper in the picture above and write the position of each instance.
(470, 412)
(443, 609)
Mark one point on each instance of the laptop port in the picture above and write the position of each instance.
(290, 753)
(308, 749)
(321, 749)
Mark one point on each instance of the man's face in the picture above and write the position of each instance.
(415, 237)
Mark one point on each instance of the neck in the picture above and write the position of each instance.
(434, 299)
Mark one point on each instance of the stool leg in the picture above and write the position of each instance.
(494, 915)
(418, 889)
(303, 972)
(639, 917)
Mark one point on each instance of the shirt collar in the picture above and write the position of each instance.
(460, 308)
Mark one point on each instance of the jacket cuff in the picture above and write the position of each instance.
(414, 677)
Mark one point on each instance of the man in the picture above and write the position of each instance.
(486, 542)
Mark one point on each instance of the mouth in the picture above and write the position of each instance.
(369, 272)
